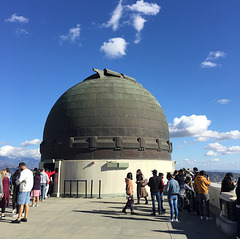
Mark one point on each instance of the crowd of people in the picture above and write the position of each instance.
(24, 184)
(185, 189)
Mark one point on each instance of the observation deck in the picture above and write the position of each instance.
(102, 218)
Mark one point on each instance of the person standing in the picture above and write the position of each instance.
(15, 191)
(172, 189)
(129, 192)
(36, 192)
(155, 184)
(9, 175)
(47, 187)
(195, 172)
(5, 200)
(180, 177)
(201, 184)
(44, 182)
(238, 207)
(25, 182)
(184, 192)
(161, 175)
(195, 197)
(141, 183)
(227, 184)
(1, 190)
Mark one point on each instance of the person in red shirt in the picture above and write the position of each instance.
(49, 175)
(161, 175)
(5, 201)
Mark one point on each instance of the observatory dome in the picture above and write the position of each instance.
(106, 116)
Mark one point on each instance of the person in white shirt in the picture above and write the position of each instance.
(1, 189)
(25, 182)
(43, 183)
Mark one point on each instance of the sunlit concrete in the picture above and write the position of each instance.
(71, 218)
(112, 179)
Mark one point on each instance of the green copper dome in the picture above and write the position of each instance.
(106, 116)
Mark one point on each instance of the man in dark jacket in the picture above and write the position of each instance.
(15, 176)
(180, 177)
(155, 184)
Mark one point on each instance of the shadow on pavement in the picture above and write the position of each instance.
(172, 232)
(106, 202)
(120, 215)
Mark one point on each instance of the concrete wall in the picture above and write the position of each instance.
(112, 180)
(228, 227)
(214, 192)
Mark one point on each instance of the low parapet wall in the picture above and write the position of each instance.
(214, 192)
(229, 227)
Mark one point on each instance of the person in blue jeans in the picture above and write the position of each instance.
(172, 189)
(43, 183)
(161, 175)
(155, 184)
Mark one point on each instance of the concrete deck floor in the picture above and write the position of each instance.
(73, 218)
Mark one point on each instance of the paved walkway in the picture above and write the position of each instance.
(73, 218)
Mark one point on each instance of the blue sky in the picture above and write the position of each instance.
(186, 53)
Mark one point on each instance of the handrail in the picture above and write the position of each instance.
(75, 181)
(85, 181)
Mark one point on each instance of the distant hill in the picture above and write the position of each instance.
(217, 177)
(13, 162)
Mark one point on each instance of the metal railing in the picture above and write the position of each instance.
(85, 181)
(74, 181)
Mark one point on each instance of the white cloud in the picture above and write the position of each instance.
(186, 163)
(32, 142)
(21, 32)
(212, 56)
(16, 18)
(115, 47)
(233, 150)
(16, 152)
(132, 15)
(189, 126)
(219, 149)
(190, 161)
(72, 36)
(3, 143)
(211, 153)
(211, 161)
(223, 101)
(206, 135)
(145, 8)
(208, 64)
(216, 147)
(116, 16)
(138, 22)
(138, 38)
(234, 134)
(197, 126)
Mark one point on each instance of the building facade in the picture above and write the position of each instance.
(103, 128)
